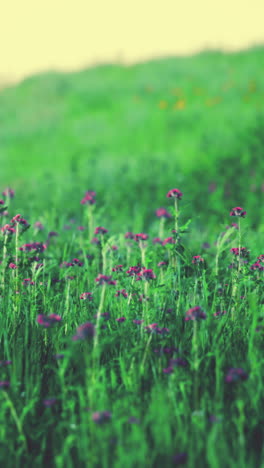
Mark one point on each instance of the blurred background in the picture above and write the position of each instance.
(138, 96)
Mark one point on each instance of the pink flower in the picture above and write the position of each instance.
(197, 259)
(86, 296)
(147, 274)
(104, 279)
(89, 198)
(238, 211)
(8, 192)
(140, 237)
(121, 319)
(48, 320)
(195, 313)
(100, 230)
(100, 417)
(13, 266)
(121, 292)
(84, 331)
(174, 193)
(162, 213)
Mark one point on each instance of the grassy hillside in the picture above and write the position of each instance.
(193, 121)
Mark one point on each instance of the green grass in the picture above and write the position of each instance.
(132, 134)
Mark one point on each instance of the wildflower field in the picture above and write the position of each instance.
(132, 266)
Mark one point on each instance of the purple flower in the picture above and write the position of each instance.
(121, 319)
(89, 198)
(8, 192)
(100, 230)
(121, 293)
(174, 193)
(5, 363)
(84, 331)
(235, 374)
(195, 313)
(101, 417)
(87, 296)
(104, 279)
(4, 384)
(47, 321)
(197, 259)
(48, 402)
(146, 274)
(162, 213)
(179, 458)
(238, 211)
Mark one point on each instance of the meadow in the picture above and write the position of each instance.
(132, 266)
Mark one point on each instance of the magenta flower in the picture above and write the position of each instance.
(13, 266)
(4, 384)
(174, 193)
(80, 228)
(134, 270)
(104, 279)
(178, 362)
(140, 237)
(197, 259)
(87, 296)
(194, 313)
(28, 282)
(89, 198)
(220, 313)
(39, 225)
(8, 192)
(242, 252)
(147, 274)
(19, 220)
(129, 235)
(48, 402)
(8, 229)
(168, 240)
(236, 375)
(121, 319)
(238, 211)
(47, 321)
(157, 240)
(118, 268)
(2, 202)
(5, 363)
(84, 331)
(162, 264)
(261, 258)
(100, 230)
(122, 292)
(37, 246)
(100, 417)
(168, 370)
(257, 267)
(162, 213)
(138, 322)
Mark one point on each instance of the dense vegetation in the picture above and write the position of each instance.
(131, 301)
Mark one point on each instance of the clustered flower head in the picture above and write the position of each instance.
(153, 328)
(195, 313)
(174, 193)
(147, 274)
(238, 211)
(87, 296)
(8, 192)
(162, 213)
(84, 331)
(235, 375)
(140, 237)
(100, 230)
(47, 321)
(121, 292)
(104, 279)
(89, 198)
(37, 246)
(240, 252)
(100, 417)
(197, 259)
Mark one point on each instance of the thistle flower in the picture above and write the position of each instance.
(87, 296)
(38, 225)
(100, 417)
(122, 292)
(121, 319)
(147, 274)
(157, 240)
(240, 252)
(47, 321)
(194, 313)
(238, 211)
(197, 259)
(235, 375)
(13, 266)
(257, 267)
(168, 240)
(89, 198)
(162, 213)
(100, 230)
(84, 331)
(4, 384)
(129, 235)
(8, 192)
(134, 270)
(118, 268)
(104, 279)
(140, 237)
(174, 193)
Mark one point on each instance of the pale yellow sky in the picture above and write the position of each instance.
(37, 35)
